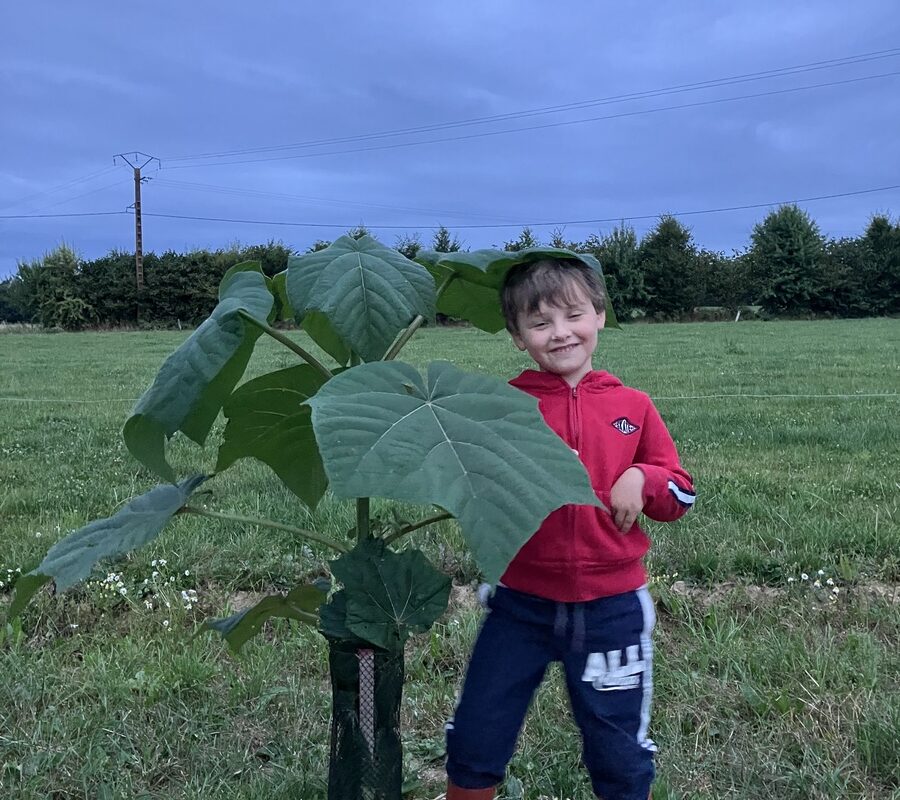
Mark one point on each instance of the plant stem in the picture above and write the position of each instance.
(265, 523)
(305, 616)
(413, 326)
(416, 525)
(404, 337)
(278, 336)
(363, 530)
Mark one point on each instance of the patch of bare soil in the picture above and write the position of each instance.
(707, 596)
(240, 601)
(463, 597)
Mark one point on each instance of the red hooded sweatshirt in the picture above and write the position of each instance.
(578, 554)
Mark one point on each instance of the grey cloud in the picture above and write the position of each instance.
(205, 79)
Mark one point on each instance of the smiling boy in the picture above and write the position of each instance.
(576, 591)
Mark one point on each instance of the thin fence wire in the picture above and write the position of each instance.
(737, 396)
(770, 396)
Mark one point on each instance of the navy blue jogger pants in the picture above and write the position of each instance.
(607, 656)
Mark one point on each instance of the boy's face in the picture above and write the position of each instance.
(562, 339)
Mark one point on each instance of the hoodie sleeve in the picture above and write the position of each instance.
(668, 488)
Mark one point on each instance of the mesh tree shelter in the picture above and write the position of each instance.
(366, 759)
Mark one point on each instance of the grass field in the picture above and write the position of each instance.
(767, 686)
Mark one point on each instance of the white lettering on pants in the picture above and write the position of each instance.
(607, 672)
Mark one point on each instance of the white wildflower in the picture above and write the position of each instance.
(830, 582)
(835, 590)
(821, 572)
(818, 584)
(804, 576)
(791, 579)
(166, 622)
(123, 591)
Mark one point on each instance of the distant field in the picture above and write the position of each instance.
(767, 687)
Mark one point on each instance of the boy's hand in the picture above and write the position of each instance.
(626, 499)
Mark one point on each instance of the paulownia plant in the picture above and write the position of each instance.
(462, 445)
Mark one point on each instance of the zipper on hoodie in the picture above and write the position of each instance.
(575, 421)
(575, 429)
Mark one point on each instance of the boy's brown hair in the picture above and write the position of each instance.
(550, 280)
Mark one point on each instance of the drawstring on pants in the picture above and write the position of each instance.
(578, 628)
(561, 623)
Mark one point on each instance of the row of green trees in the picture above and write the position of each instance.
(790, 268)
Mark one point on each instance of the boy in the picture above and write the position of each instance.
(576, 591)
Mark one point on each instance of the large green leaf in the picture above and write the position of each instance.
(315, 323)
(333, 619)
(474, 293)
(321, 331)
(389, 595)
(195, 380)
(468, 443)
(268, 420)
(278, 287)
(73, 558)
(301, 603)
(368, 292)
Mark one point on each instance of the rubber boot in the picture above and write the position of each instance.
(456, 793)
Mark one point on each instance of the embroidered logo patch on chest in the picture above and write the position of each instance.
(624, 425)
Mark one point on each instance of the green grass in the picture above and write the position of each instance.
(766, 687)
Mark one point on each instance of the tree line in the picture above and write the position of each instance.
(788, 269)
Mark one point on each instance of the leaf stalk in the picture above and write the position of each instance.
(363, 526)
(413, 326)
(278, 336)
(266, 523)
(416, 525)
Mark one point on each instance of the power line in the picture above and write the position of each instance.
(79, 196)
(239, 192)
(61, 186)
(617, 218)
(56, 216)
(555, 109)
(544, 126)
(345, 226)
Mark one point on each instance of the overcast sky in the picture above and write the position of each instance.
(81, 82)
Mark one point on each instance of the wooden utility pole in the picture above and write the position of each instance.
(138, 233)
(137, 162)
